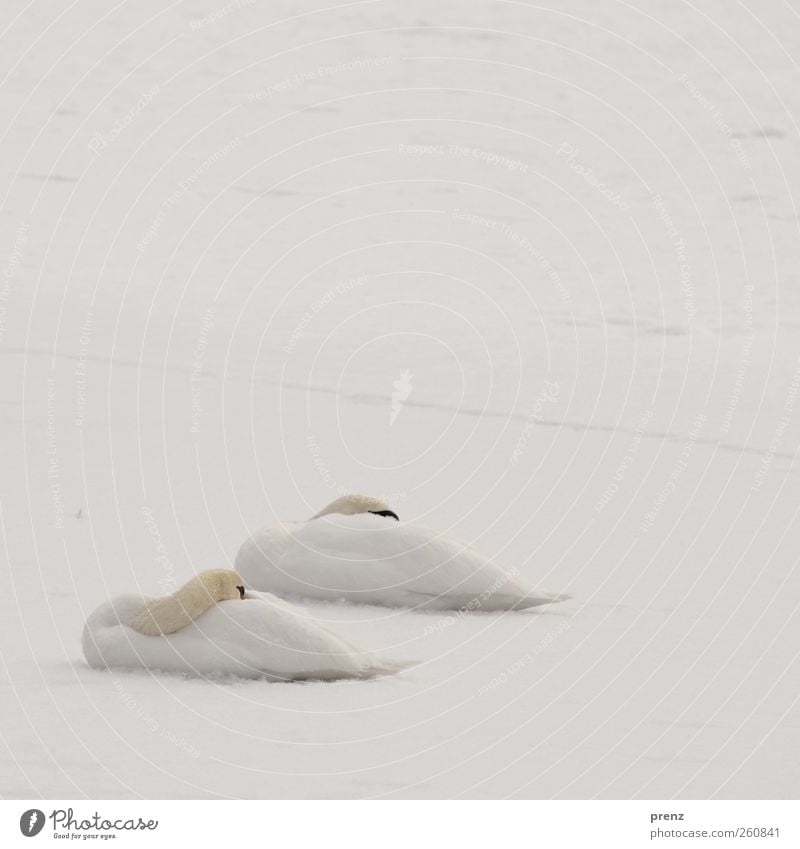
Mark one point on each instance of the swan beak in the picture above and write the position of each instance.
(241, 591)
(386, 513)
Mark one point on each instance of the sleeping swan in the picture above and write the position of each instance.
(358, 550)
(212, 625)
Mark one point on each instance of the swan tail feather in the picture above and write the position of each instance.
(490, 603)
(538, 598)
(381, 667)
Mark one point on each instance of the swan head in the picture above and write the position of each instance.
(222, 584)
(353, 504)
(173, 612)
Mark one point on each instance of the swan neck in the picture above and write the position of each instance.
(174, 612)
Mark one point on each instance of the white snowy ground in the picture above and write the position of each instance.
(219, 252)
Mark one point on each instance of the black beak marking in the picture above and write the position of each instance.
(386, 513)
(241, 591)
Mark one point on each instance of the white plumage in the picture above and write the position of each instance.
(258, 636)
(374, 559)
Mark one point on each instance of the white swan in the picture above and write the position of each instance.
(358, 550)
(212, 625)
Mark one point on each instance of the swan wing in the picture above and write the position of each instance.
(376, 560)
(260, 637)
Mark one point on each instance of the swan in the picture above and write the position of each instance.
(213, 625)
(358, 550)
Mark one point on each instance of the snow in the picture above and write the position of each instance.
(564, 239)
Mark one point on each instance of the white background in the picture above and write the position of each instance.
(188, 192)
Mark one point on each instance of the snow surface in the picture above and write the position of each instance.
(224, 252)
